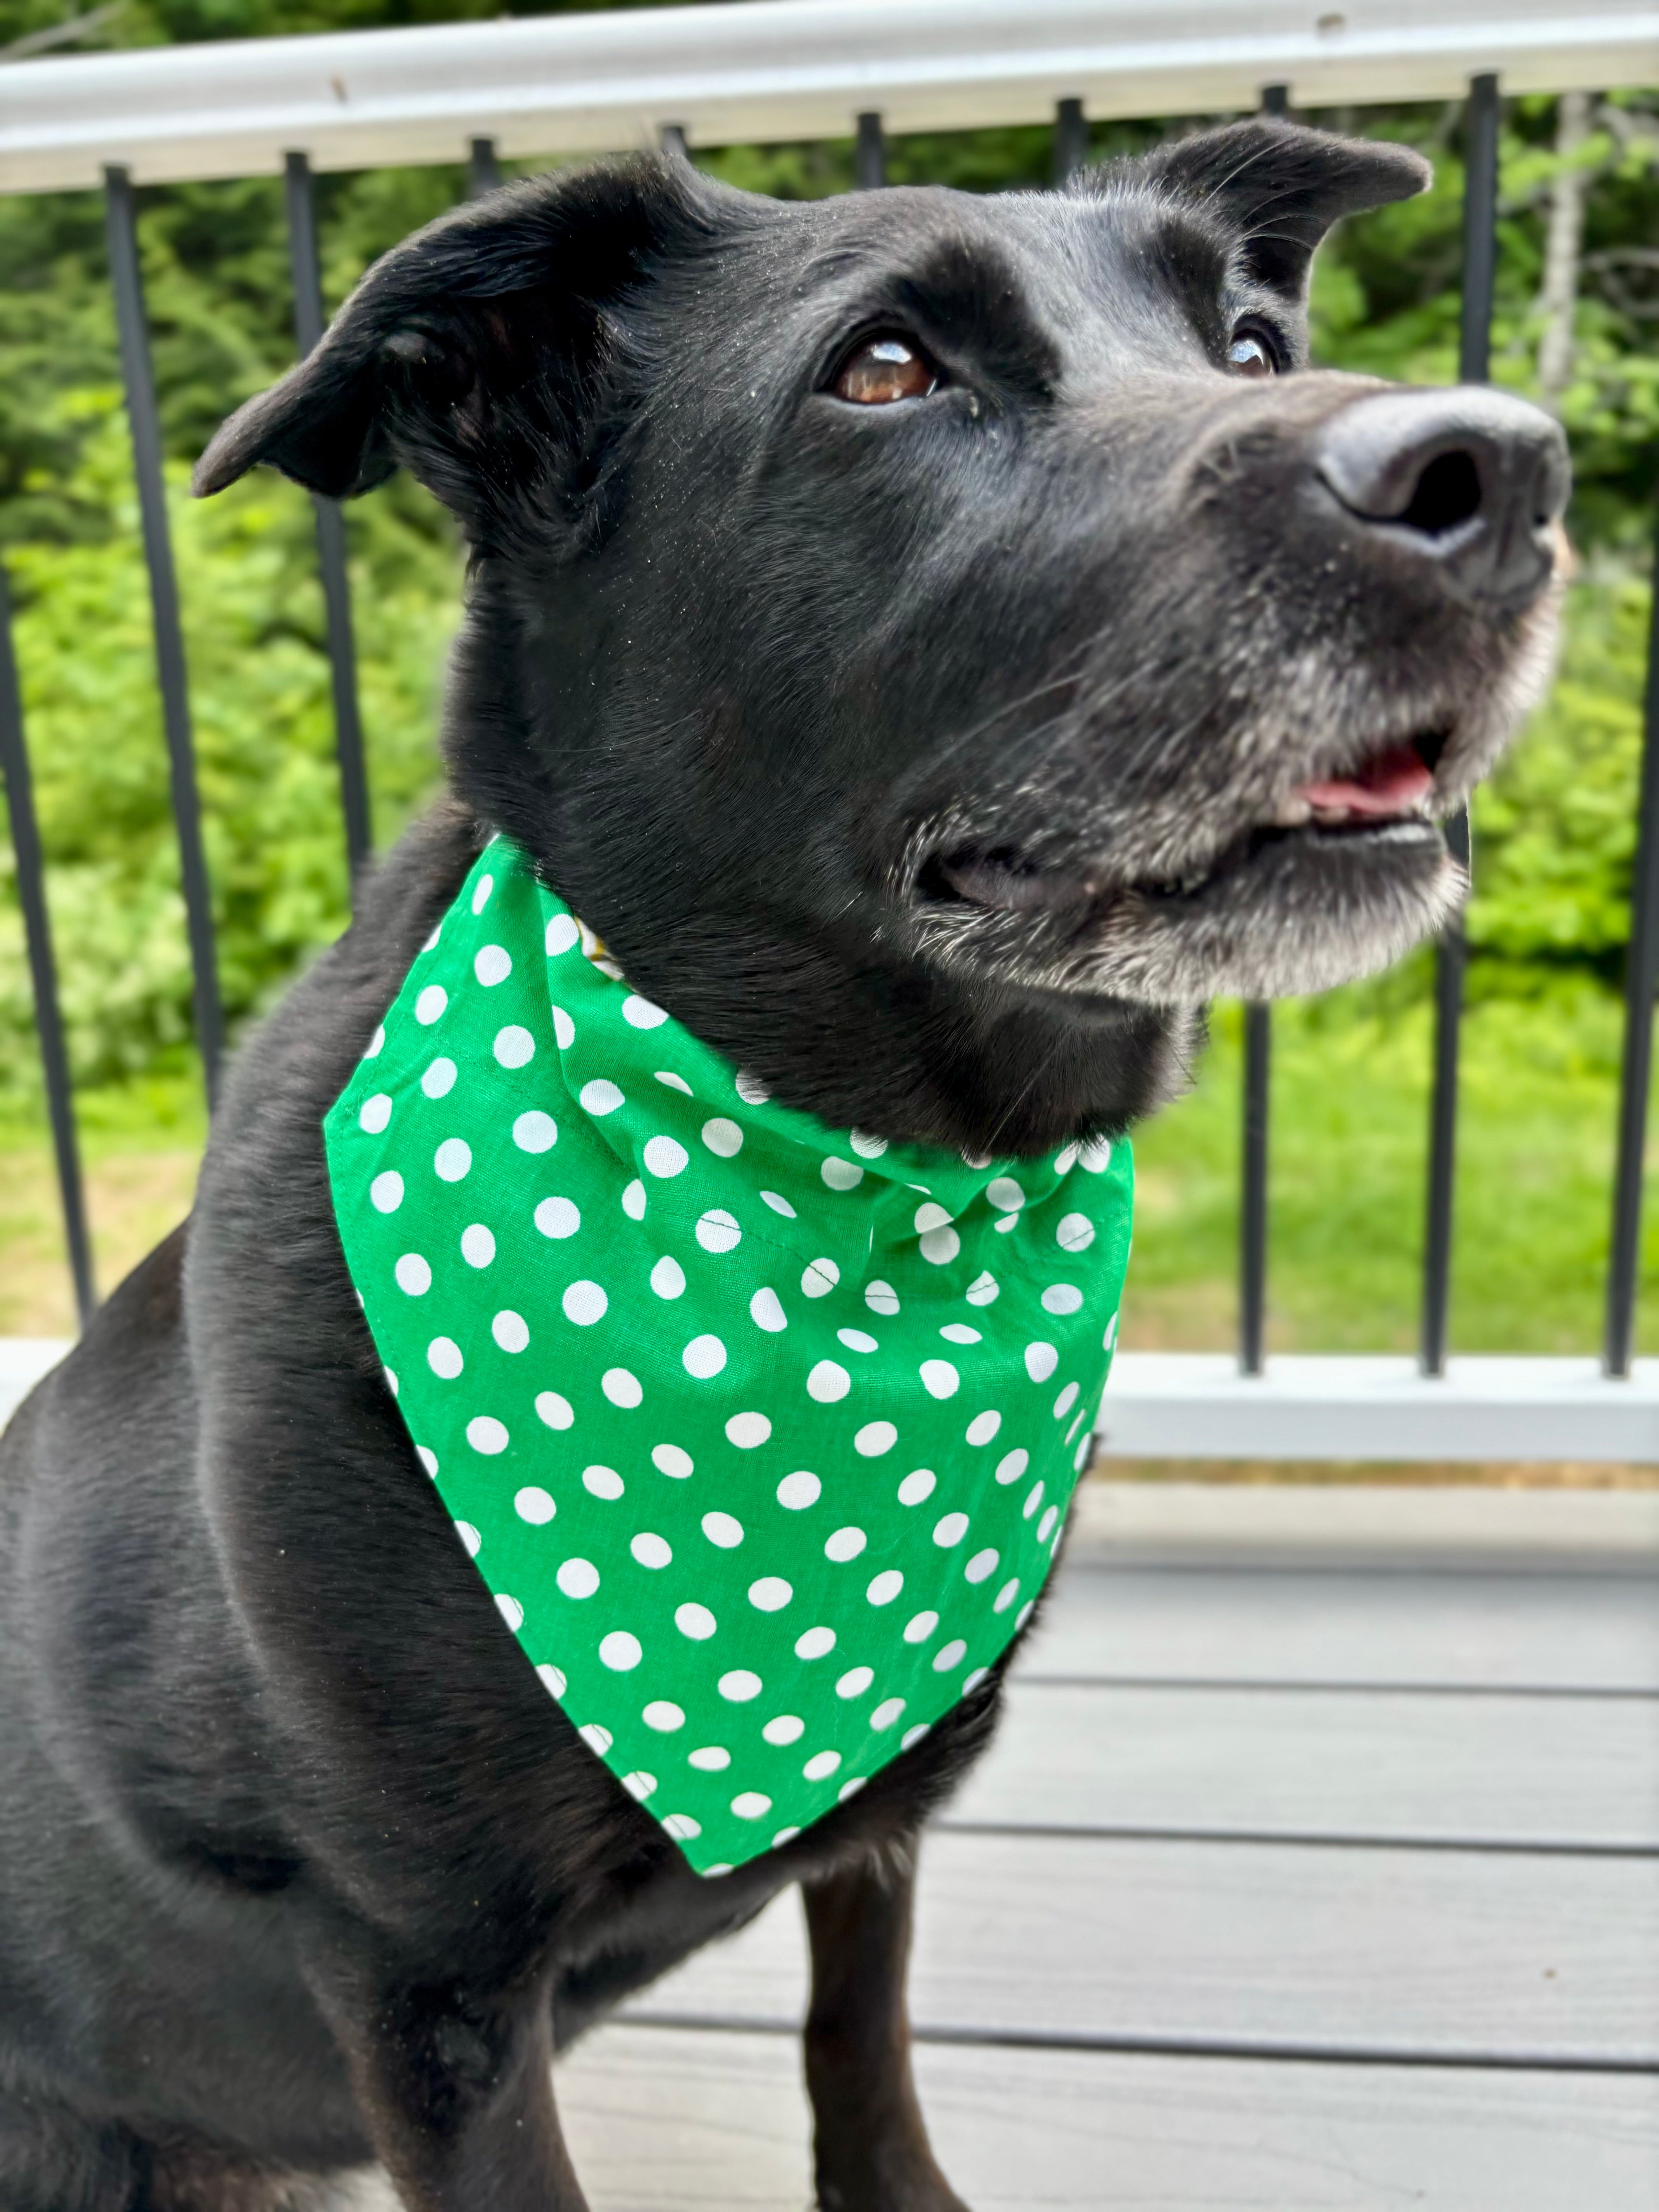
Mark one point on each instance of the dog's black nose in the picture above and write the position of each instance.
(1470, 478)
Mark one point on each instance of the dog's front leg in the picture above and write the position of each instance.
(871, 2147)
(456, 2091)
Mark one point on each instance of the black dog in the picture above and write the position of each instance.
(938, 647)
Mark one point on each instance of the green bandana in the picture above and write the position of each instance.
(761, 1433)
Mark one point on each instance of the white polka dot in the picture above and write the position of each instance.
(885, 1587)
(584, 1304)
(1066, 1161)
(639, 1785)
(1097, 1155)
(663, 1715)
(785, 1728)
(766, 1311)
(913, 1736)
(599, 1096)
(492, 964)
(534, 1506)
(510, 1330)
(703, 1357)
(816, 1644)
(841, 1175)
(633, 1201)
(779, 1204)
(867, 1146)
(651, 1550)
(752, 1805)
(578, 1578)
(917, 1486)
(739, 1686)
(443, 1357)
(846, 1544)
(724, 1529)
(1006, 1595)
(1076, 1233)
(1066, 1400)
(620, 1651)
(376, 1044)
(554, 1410)
(557, 1218)
(1110, 1337)
(670, 1460)
(972, 1682)
(391, 1380)
(553, 1681)
(439, 1079)
(1046, 1526)
(430, 1005)
(668, 1277)
(696, 1621)
(428, 1459)
(564, 1029)
(821, 1765)
(750, 1089)
(983, 1428)
(683, 1828)
(770, 1593)
(674, 1082)
(940, 1246)
(596, 1738)
(477, 1244)
(640, 1014)
(852, 1788)
(621, 1387)
(938, 1378)
(1013, 1465)
(857, 1339)
(1025, 1612)
(385, 1193)
(709, 1758)
(535, 1132)
(746, 1430)
(982, 1566)
(1005, 1193)
(718, 1231)
(950, 1529)
(561, 936)
(481, 892)
(1061, 1298)
(958, 1332)
(874, 1438)
(375, 1113)
(855, 1682)
(510, 1610)
(881, 1298)
(453, 1160)
(828, 1382)
(887, 1713)
(983, 1290)
(471, 1541)
(951, 1654)
(1041, 1360)
(602, 1482)
(1034, 1501)
(514, 1046)
(722, 1137)
(413, 1275)
(1079, 1458)
(797, 1491)
(820, 1277)
(932, 1216)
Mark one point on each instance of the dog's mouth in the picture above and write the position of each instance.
(1386, 800)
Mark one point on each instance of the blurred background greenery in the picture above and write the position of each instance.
(1553, 831)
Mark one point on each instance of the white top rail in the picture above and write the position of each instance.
(768, 70)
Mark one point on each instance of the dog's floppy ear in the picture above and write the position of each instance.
(1279, 187)
(472, 352)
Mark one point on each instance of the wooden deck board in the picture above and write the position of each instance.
(666, 2122)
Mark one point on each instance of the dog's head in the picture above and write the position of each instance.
(975, 597)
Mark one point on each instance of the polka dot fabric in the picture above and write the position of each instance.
(761, 1433)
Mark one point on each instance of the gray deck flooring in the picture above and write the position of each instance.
(1291, 1883)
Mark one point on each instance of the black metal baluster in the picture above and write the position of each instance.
(306, 263)
(1641, 980)
(483, 171)
(869, 164)
(1276, 99)
(37, 930)
(1252, 1206)
(1071, 140)
(127, 281)
(1473, 364)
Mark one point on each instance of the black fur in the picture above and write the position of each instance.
(299, 1867)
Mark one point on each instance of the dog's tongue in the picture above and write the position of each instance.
(1392, 782)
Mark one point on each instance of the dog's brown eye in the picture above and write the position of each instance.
(1248, 356)
(883, 370)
